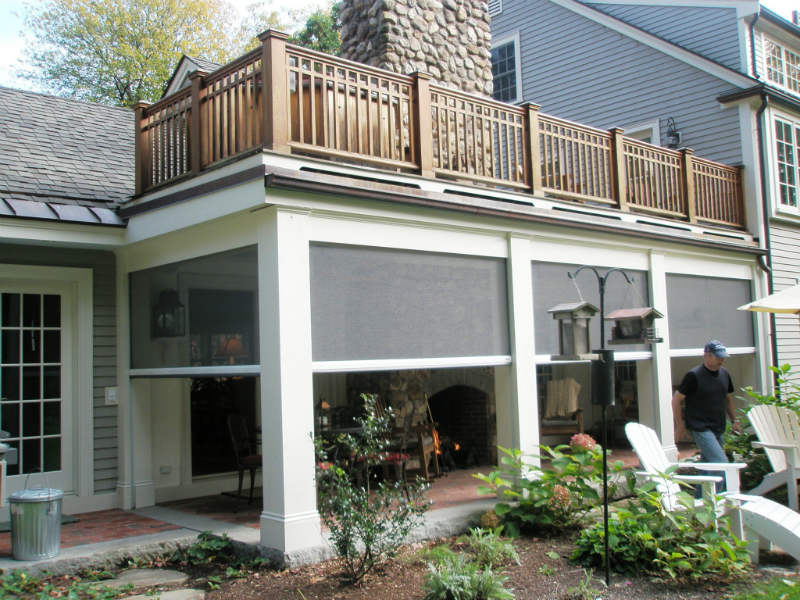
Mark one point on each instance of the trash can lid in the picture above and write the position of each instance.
(36, 495)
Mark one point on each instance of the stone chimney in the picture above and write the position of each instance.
(448, 39)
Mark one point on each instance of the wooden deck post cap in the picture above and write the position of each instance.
(272, 33)
(421, 75)
(197, 74)
(686, 150)
(617, 130)
(531, 105)
(140, 105)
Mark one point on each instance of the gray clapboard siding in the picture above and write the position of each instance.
(785, 240)
(582, 71)
(104, 340)
(711, 32)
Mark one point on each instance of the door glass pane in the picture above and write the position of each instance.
(51, 346)
(10, 418)
(10, 310)
(31, 419)
(31, 383)
(13, 469)
(10, 341)
(31, 310)
(31, 458)
(52, 310)
(52, 382)
(52, 454)
(52, 418)
(10, 384)
(31, 346)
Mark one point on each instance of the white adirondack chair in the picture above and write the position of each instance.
(754, 518)
(654, 461)
(778, 432)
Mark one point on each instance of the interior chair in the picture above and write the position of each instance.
(778, 434)
(244, 448)
(561, 413)
(418, 440)
(754, 518)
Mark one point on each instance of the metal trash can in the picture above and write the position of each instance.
(35, 523)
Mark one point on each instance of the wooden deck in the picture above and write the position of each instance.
(289, 99)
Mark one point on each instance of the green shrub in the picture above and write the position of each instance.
(460, 579)
(366, 526)
(682, 545)
(550, 499)
(489, 549)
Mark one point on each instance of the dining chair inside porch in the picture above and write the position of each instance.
(418, 440)
(244, 449)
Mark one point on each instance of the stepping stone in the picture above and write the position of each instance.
(145, 578)
(173, 595)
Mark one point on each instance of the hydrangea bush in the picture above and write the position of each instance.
(552, 493)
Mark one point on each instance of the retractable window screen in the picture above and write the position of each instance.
(704, 308)
(372, 303)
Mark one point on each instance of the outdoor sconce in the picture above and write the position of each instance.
(169, 315)
(673, 135)
(573, 328)
(634, 325)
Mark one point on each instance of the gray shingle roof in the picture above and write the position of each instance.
(66, 152)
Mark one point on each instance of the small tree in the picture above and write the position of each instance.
(366, 526)
(321, 31)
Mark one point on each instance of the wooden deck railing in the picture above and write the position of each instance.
(290, 99)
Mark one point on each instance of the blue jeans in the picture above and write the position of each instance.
(710, 445)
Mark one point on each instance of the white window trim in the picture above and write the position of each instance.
(776, 208)
(784, 47)
(513, 37)
(653, 128)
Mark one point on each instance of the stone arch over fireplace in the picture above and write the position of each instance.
(463, 404)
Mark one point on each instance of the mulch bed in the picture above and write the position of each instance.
(538, 577)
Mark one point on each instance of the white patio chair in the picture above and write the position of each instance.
(778, 432)
(655, 463)
(754, 518)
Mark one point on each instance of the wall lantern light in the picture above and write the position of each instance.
(573, 328)
(169, 315)
(634, 325)
(673, 135)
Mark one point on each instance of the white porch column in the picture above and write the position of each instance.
(515, 385)
(660, 407)
(289, 520)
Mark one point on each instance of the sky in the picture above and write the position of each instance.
(11, 25)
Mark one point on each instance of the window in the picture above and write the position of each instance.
(783, 66)
(787, 141)
(505, 70)
(645, 132)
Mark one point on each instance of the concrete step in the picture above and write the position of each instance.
(145, 578)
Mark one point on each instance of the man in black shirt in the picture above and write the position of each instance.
(707, 393)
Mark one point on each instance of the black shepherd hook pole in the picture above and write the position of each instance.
(601, 283)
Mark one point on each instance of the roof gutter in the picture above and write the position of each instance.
(767, 257)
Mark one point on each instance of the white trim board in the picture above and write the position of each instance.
(401, 364)
(686, 352)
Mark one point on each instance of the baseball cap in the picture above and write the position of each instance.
(717, 348)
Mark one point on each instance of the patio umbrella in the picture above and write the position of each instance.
(786, 301)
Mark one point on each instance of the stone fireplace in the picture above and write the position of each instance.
(461, 402)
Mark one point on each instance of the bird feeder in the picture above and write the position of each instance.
(634, 325)
(573, 328)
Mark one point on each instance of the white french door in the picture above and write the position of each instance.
(36, 366)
